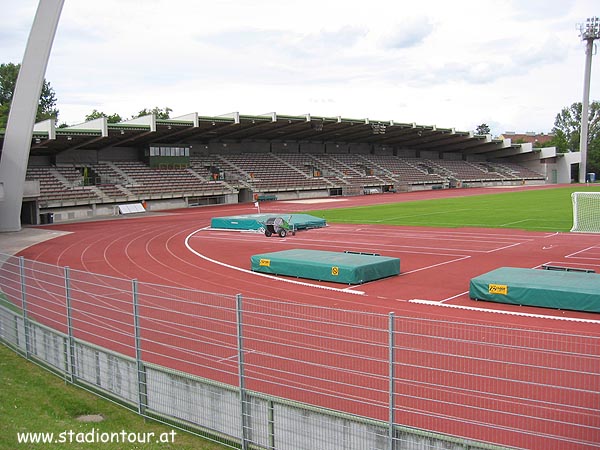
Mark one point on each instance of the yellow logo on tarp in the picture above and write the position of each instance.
(265, 263)
(335, 271)
(501, 289)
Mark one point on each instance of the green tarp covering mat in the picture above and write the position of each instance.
(339, 267)
(254, 222)
(535, 287)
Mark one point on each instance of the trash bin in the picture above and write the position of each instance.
(591, 177)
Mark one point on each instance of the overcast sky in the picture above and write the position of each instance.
(513, 64)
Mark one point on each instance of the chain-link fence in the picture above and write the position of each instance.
(266, 374)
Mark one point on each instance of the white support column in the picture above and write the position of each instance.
(21, 119)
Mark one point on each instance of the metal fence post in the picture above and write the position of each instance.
(26, 329)
(392, 405)
(271, 425)
(71, 341)
(240, 351)
(141, 373)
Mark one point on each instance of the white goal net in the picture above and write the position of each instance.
(586, 212)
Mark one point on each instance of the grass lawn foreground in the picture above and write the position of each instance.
(35, 401)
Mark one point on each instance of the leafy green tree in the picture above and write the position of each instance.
(160, 113)
(95, 114)
(8, 80)
(567, 126)
(483, 129)
(567, 132)
(47, 105)
(4, 110)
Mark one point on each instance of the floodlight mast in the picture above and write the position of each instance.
(589, 32)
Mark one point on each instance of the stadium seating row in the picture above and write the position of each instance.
(259, 172)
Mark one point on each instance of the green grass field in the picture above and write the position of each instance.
(534, 210)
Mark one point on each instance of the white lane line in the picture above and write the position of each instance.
(511, 313)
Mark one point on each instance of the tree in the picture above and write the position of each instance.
(95, 114)
(8, 80)
(567, 132)
(160, 113)
(483, 129)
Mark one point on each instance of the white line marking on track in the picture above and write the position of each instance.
(504, 248)
(453, 297)
(510, 313)
(574, 254)
(551, 235)
(436, 265)
(234, 356)
(349, 288)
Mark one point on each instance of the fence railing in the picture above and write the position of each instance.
(267, 374)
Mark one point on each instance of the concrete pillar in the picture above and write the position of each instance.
(19, 129)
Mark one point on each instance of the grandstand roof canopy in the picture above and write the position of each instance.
(194, 129)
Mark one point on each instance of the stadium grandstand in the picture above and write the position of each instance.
(88, 170)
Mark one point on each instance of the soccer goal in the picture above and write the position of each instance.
(352, 190)
(586, 212)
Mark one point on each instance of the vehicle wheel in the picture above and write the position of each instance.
(282, 233)
(268, 233)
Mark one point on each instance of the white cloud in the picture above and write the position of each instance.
(511, 64)
(410, 33)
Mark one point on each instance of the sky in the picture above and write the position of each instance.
(511, 64)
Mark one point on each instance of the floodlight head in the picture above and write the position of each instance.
(590, 30)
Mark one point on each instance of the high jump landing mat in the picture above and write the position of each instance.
(535, 287)
(339, 267)
(254, 222)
